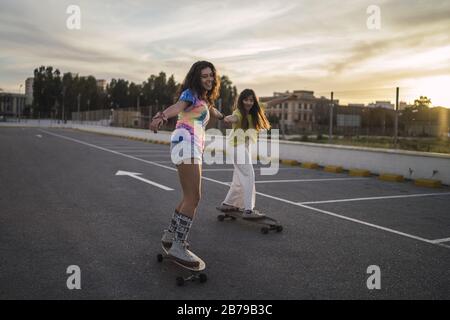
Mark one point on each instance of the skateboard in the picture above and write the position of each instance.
(195, 272)
(267, 223)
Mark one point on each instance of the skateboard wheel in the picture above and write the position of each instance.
(279, 228)
(159, 257)
(221, 217)
(180, 281)
(203, 278)
(264, 230)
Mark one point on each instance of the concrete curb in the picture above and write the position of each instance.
(333, 169)
(430, 183)
(391, 177)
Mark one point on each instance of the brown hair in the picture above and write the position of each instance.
(193, 81)
(259, 119)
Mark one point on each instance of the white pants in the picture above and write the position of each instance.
(242, 191)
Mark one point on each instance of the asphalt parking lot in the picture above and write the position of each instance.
(62, 204)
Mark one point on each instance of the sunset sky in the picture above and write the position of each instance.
(266, 45)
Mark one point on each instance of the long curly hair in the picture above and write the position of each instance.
(193, 81)
(259, 119)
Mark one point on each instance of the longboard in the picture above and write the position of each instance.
(268, 223)
(195, 274)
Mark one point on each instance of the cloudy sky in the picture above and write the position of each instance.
(267, 45)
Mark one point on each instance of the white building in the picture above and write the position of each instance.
(381, 104)
(11, 104)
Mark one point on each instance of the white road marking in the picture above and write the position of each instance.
(264, 195)
(308, 180)
(148, 155)
(368, 224)
(440, 240)
(136, 175)
(141, 150)
(378, 198)
(109, 150)
(231, 169)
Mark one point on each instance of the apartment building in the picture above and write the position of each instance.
(300, 114)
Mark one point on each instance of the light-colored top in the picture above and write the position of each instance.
(235, 138)
(194, 118)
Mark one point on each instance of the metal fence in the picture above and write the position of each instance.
(386, 122)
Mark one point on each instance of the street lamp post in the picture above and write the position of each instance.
(330, 133)
(78, 104)
(89, 109)
(63, 102)
(19, 107)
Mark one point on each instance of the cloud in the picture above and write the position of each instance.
(270, 45)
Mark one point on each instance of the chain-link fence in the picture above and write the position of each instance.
(340, 117)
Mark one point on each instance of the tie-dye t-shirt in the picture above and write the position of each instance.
(194, 119)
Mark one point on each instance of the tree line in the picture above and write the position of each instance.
(57, 96)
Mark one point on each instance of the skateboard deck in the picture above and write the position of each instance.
(267, 223)
(195, 271)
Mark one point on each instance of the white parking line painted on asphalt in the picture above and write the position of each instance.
(440, 240)
(344, 217)
(140, 149)
(135, 175)
(372, 225)
(378, 198)
(231, 169)
(309, 180)
(263, 194)
(108, 150)
(149, 155)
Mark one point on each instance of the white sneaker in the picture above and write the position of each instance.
(167, 238)
(179, 252)
(252, 214)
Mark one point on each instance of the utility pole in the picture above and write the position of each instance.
(330, 133)
(282, 121)
(89, 109)
(78, 104)
(396, 119)
(63, 102)
(19, 107)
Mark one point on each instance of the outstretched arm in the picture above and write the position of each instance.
(231, 119)
(169, 112)
(216, 113)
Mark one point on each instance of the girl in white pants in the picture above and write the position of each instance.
(249, 116)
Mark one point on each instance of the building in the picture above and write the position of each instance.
(403, 105)
(101, 84)
(300, 114)
(11, 105)
(29, 91)
(349, 118)
(381, 104)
